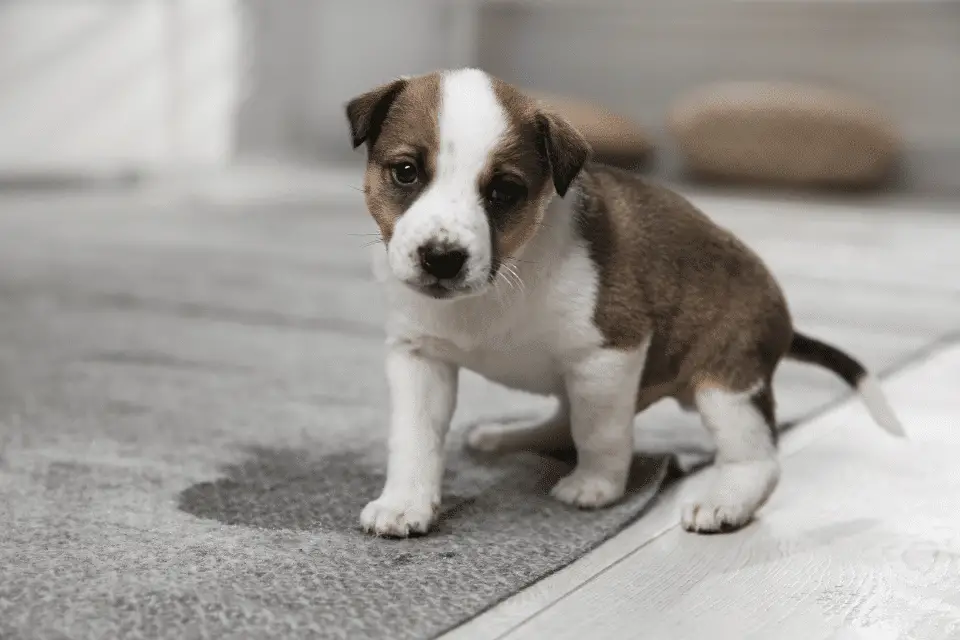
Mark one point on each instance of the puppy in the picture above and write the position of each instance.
(508, 253)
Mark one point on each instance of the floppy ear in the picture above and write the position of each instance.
(366, 112)
(565, 148)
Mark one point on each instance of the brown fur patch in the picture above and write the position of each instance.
(408, 131)
(518, 154)
(708, 305)
(541, 149)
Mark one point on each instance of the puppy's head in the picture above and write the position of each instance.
(460, 169)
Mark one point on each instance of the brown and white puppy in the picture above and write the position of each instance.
(509, 254)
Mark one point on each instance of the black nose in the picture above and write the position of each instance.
(440, 262)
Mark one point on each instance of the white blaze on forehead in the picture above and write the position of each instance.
(471, 123)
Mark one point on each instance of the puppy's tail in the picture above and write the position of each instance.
(812, 351)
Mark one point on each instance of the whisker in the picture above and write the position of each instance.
(521, 285)
(518, 283)
(377, 238)
(511, 258)
(511, 271)
(501, 277)
(511, 284)
(501, 301)
(506, 273)
(497, 289)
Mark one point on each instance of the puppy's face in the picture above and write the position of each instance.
(460, 169)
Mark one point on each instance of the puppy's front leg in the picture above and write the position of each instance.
(602, 390)
(423, 396)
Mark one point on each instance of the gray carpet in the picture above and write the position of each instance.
(192, 410)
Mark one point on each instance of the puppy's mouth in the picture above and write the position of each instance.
(437, 291)
(442, 290)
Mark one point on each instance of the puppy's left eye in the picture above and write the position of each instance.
(503, 193)
(404, 173)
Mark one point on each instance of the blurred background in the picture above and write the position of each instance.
(107, 88)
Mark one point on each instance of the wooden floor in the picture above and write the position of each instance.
(862, 539)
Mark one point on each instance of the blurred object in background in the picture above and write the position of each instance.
(784, 134)
(308, 57)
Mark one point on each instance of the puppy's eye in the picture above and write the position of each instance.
(405, 173)
(503, 193)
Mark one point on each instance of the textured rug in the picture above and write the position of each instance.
(192, 413)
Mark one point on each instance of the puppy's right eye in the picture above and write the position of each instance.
(503, 193)
(405, 173)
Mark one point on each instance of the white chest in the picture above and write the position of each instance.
(532, 366)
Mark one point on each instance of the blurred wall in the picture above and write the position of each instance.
(117, 83)
(311, 56)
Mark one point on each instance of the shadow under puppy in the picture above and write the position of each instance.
(510, 254)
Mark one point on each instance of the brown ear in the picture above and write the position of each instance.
(366, 112)
(565, 148)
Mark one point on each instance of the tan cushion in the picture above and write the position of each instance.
(784, 133)
(614, 138)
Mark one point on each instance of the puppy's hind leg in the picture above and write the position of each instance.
(550, 435)
(746, 467)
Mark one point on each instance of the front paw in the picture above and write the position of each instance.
(397, 517)
(587, 490)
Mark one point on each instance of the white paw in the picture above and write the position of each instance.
(397, 517)
(708, 517)
(587, 491)
(486, 438)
